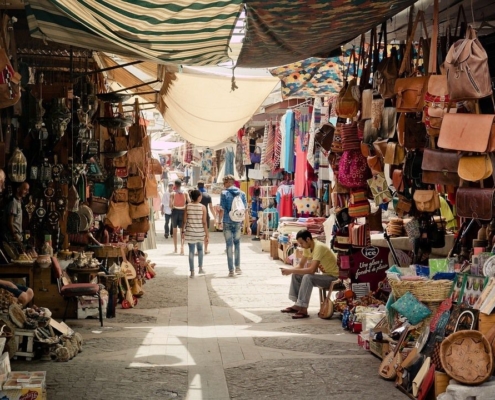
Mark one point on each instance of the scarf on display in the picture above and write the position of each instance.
(270, 146)
(239, 164)
(278, 146)
(263, 149)
(188, 155)
(302, 122)
(246, 154)
(206, 162)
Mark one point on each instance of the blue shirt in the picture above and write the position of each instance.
(226, 200)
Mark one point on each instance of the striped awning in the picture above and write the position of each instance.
(191, 32)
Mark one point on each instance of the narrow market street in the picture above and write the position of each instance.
(215, 338)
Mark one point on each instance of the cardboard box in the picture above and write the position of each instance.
(364, 341)
(265, 245)
(274, 249)
(485, 322)
(23, 394)
(87, 306)
(441, 383)
(379, 349)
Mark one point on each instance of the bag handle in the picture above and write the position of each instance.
(459, 13)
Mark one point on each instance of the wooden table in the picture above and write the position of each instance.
(15, 270)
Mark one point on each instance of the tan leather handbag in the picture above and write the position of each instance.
(120, 162)
(139, 211)
(475, 203)
(475, 168)
(466, 63)
(136, 196)
(118, 215)
(346, 105)
(135, 182)
(426, 200)
(151, 187)
(468, 132)
(120, 195)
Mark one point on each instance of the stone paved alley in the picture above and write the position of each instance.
(215, 338)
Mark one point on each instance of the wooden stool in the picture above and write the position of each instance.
(24, 341)
(324, 292)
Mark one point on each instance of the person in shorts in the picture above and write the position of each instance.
(178, 202)
(20, 292)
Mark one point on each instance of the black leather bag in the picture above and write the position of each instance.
(324, 136)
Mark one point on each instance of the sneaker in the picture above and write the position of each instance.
(257, 239)
(191, 275)
(201, 271)
(231, 274)
(238, 271)
(166, 236)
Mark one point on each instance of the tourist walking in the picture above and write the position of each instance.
(195, 230)
(206, 201)
(232, 221)
(166, 210)
(178, 201)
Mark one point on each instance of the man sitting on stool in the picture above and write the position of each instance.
(304, 278)
(20, 292)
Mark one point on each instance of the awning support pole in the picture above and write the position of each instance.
(136, 86)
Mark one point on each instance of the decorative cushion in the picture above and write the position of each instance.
(411, 308)
(80, 289)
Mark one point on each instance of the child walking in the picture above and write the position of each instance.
(195, 230)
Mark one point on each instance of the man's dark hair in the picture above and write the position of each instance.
(201, 184)
(304, 235)
(178, 183)
(195, 195)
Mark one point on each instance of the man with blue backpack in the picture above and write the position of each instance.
(233, 205)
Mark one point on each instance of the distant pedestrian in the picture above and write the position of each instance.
(166, 210)
(232, 229)
(195, 230)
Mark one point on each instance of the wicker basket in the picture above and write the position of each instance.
(429, 291)
(467, 357)
(106, 251)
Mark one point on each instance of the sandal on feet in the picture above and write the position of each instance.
(300, 316)
(289, 310)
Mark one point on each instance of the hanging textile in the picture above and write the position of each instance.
(277, 147)
(283, 141)
(288, 146)
(263, 163)
(188, 154)
(206, 162)
(229, 161)
(301, 176)
(246, 150)
(285, 194)
(270, 146)
(313, 126)
(239, 165)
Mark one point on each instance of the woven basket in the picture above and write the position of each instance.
(467, 357)
(429, 291)
(106, 251)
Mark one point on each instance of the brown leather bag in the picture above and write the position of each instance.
(151, 187)
(475, 168)
(375, 164)
(118, 215)
(440, 167)
(155, 167)
(436, 104)
(135, 159)
(398, 180)
(324, 136)
(99, 205)
(411, 93)
(475, 203)
(10, 91)
(395, 154)
(135, 182)
(387, 71)
(346, 105)
(468, 76)
(141, 225)
(139, 211)
(120, 195)
(468, 132)
(120, 143)
(411, 131)
(135, 196)
(136, 134)
(426, 200)
(120, 162)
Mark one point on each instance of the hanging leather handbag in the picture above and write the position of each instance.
(426, 200)
(436, 104)
(395, 154)
(346, 105)
(468, 132)
(99, 205)
(118, 215)
(120, 143)
(151, 187)
(412, 166)
(440, 167)
(121, 172)
(135, 182)
(120, 195)
(141, 225)
(411, 131)
(139, 211)
(475, 168)
(135, 196)
(120, 162)
(324, 136)
(466, 63)
(375, 164)
(387, 70)
(135, 159)
(155, 167)
(475, 203)
(136, 134)
(411, 93)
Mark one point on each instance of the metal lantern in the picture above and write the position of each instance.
(17, 166)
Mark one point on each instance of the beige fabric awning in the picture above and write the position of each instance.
(205, 111)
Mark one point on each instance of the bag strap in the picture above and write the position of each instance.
(463, 23)
(432, 67)
(406, 60)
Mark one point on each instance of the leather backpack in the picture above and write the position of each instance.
(468, 76)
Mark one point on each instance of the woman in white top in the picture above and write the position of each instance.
(195, 229)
